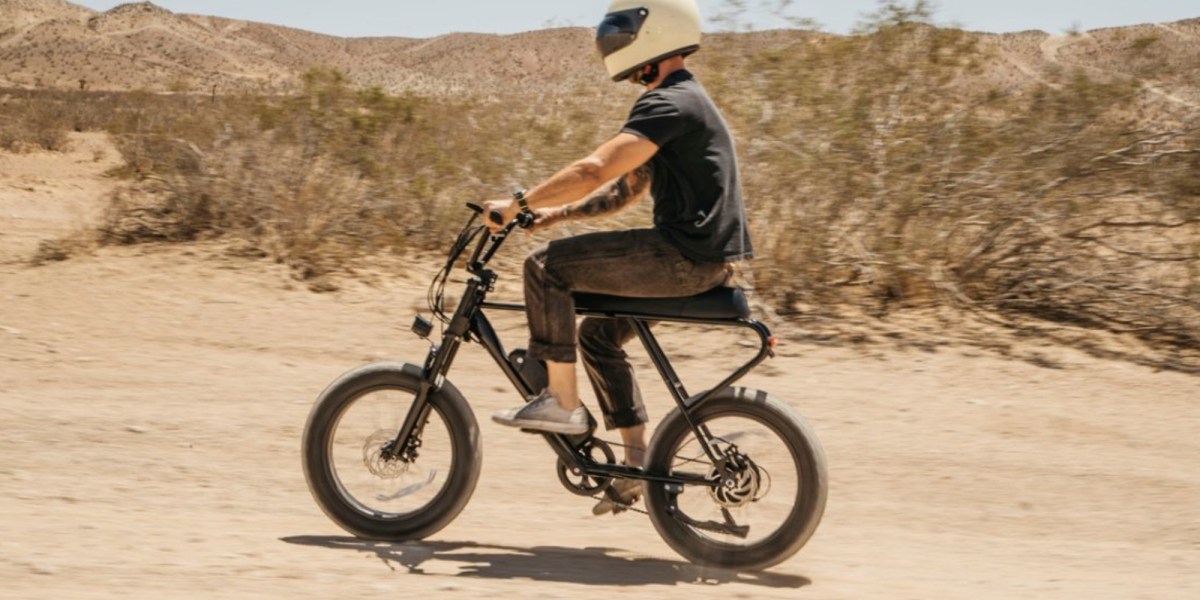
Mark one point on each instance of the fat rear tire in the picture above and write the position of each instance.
(799, 442)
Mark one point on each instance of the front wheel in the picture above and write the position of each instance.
(365, 486)
(770, 482)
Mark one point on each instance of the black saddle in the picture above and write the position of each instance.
(719, 303)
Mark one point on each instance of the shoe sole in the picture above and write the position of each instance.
(542, 426)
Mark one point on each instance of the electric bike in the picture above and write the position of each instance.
(733, 477)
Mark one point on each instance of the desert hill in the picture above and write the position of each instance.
(23, 13)
(56, 44)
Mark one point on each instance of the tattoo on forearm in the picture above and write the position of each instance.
(616, 195)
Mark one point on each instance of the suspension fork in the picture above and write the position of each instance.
(437, 364)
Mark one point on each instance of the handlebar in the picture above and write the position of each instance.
(484, 251)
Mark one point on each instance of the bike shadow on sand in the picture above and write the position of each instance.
(586, 566)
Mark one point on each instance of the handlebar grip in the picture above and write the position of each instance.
(525, 220)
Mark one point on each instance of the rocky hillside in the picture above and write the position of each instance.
(24, 13)
(56, 44)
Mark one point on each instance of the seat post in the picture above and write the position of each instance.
(674, 384)
(660, 360)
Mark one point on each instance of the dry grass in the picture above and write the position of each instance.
(909, 167)
(315, 179)
(885, 177)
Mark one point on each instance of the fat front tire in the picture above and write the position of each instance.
(389, 500)
(780, 497)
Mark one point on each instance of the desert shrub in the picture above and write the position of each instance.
(318, 178)
(881, 177)
(883, 171)
(27, 123)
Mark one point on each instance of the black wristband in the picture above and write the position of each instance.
(519, 196)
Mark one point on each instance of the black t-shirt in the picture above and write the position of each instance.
(697, 195)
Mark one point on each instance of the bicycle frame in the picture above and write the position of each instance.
(470, 323)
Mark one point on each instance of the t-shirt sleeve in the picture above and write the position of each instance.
(656, 119)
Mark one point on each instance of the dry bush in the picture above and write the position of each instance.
(880, 174)
(330, 174)
(27, 123)
(882, 178)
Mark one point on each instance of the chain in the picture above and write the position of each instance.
(702, 458)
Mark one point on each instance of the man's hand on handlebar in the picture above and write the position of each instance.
(499, 213)
(545, 217)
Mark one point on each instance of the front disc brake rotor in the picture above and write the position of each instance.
(384, 467)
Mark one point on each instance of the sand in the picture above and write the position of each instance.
(153, 399)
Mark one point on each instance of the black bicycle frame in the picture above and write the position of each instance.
(469, 322)
(641, 322)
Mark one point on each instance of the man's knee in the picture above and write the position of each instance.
(535, 263)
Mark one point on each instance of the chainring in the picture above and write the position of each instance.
(579, 483)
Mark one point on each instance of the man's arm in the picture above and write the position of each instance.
(618, 194)
(615, 158)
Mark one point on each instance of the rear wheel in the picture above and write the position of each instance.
(373, 490)
(770, 482)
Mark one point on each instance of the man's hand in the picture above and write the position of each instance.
(507, 209)
(546, 217)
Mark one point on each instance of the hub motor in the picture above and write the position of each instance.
(739, 481)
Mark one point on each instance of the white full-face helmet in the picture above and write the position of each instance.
(636, 33)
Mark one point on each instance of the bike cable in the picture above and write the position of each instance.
(436, 295)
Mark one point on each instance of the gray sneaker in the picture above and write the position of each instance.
(544, 414)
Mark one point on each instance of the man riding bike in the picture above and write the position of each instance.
(676, 146)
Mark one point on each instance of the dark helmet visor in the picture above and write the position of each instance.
(619, 29)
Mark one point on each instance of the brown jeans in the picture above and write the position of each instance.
(637, 263)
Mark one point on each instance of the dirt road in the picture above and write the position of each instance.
(153, 398)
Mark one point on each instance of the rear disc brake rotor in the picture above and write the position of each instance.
(739, 481)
